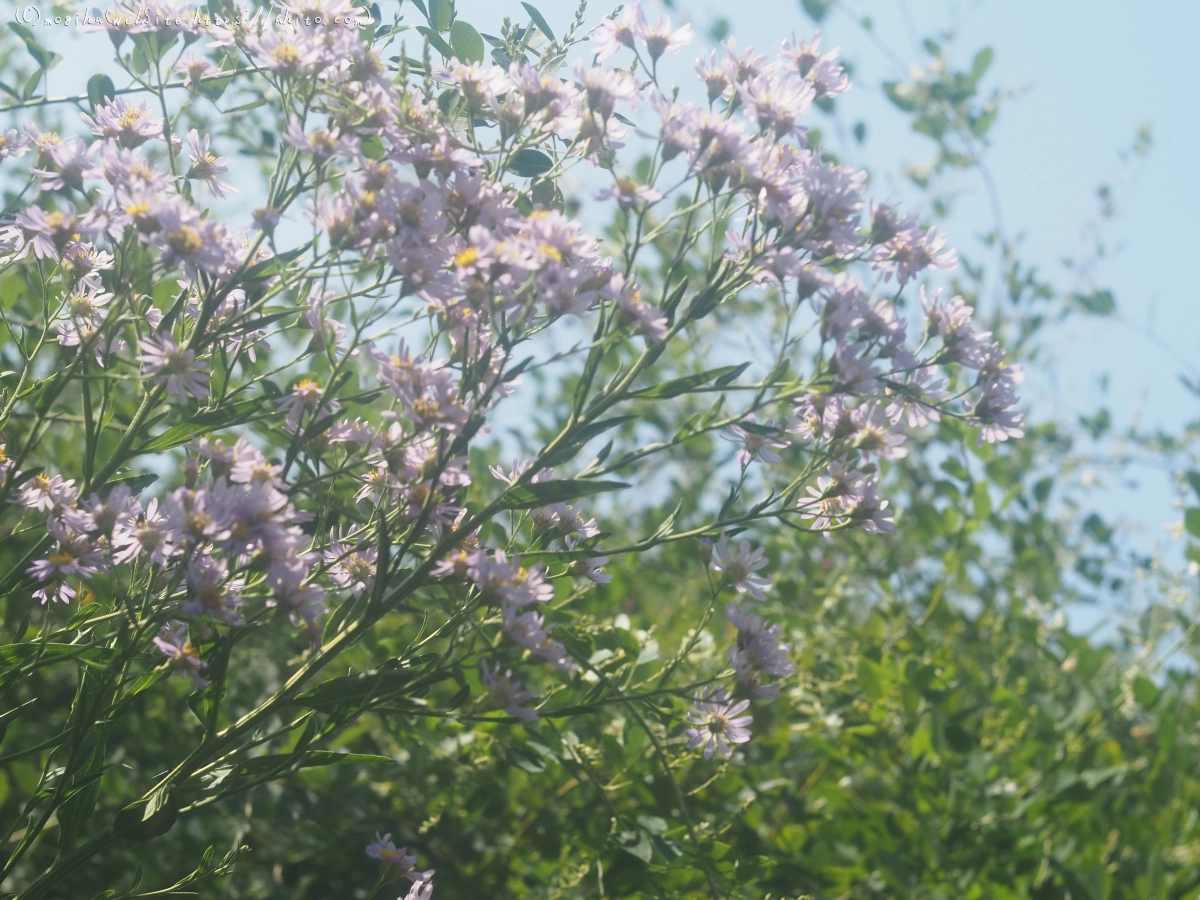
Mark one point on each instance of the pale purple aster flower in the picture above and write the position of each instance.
(304, 398)
(506, 691)
(827, 77)
(165, 362)
(288, 579)
(328, 333)
(588, 568)
(872, 512)
(759, 442)
(616, 32)
(397, 859)
(713, 74)
(759, 652)
(46, 233)
(739, 569)
(832, 496)
(211, 591)
(422, 889)
(350, 568)
(286, 51)
(874, 435)
(68, 164)
(529, 631)
(604, 88)
(628, 193)
(777, 103)
(717, 723)
(952, 322)
(173, 643)
(144, 533)
(508, 583)
(743, 66)
(480, 84)
(13, 143)
(910, 252)
(660, 38)
(44, 492)
(320, 144)
(357, 432)
(104, 513)
(206, 166)
(923, 390)
(85, 312)
(195, 69)
(75, 555)
(128, 124)
(193, 240)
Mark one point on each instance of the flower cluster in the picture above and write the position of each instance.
(353, 373)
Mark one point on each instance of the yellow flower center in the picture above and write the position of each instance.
(185, 239)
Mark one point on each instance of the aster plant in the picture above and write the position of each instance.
(225, 443)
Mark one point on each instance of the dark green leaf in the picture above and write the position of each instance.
(526, 759)
(436, 41)
(529, 163)
(146, 820)
(688, 383)
(1191, 521)
(100, 90)
(309, 760)
(1097, 303)
(567, 452)
(816, 9)
(636, 844)
(539, 20)
(531, 496)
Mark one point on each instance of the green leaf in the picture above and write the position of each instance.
(635, 843)
(1145, 692)
(45, 59)
(441, 14)
(1097, 303)
(203, 423)
(309, 760)
(350, 690)
(372, 147)
(567, 452)
(982, 62)
(31, 85)
(529, 163)
(816, 9)
(1193, 479)
(466, 42)
(147, 819)
(1191, 521)
(436, 41)
(901, 96)
(870, 677)
(539, 20)
(525, 759)
(722, 376)
(531, 496)
(100, 90)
